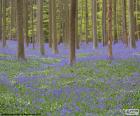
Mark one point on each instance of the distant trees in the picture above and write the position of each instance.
(52, 21)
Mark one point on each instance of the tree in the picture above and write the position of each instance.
(20, 53)
(0, 19)
(131, 24)
(94, 21)
(50, 22)
(110, 55)
(87, 20)
(115, 21)
(104, 23)
(26, 22)
(124, 28)
(72, 31)
(76, 28)
(66, 22)
(53, 31)
(40, 26)
(4, 24)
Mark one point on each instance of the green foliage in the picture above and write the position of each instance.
(102, 78)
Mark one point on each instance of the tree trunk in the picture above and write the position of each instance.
(54, 33)
(131, 24)
(110, 55)
(115, 22)
(50, 23)
(26, 22)
(104, 23)
(94, 12)
(72, 32)
(4, 24)
(21, 55)
(124, 28)
(40, 26)
(76, 28)
(0, 19)
(87, 39)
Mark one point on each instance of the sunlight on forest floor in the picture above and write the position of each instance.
(49, 86)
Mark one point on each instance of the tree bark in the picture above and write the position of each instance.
(110, 54)
(21, 54)
(94, 20)
(0, 19)
(72, 32)
(131, 24)
(40, 26)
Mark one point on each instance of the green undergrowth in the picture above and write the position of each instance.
(92, 87)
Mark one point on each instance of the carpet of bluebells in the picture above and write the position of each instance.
(49, 86)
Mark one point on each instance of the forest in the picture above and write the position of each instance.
(69, 57)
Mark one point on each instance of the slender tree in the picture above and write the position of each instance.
(131, 24)
(0, 19)
(104, 23)
(26, 22)
(124, 26)
(50, 22)
(20, 53)
(94, 20)
(87, 20)
(110, 54)
(40, 26)
(66, 22)
(54, 31)
(115, 21)
(76, 28)
(4, 24)
(72, 31)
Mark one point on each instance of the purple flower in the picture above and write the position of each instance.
(101, 106)
(4, 81)
(57, 92)
(101, 100)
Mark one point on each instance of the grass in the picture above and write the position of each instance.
(87, 88)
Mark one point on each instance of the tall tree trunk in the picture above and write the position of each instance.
(115, 21)
(104, 23)
(124, 28)
(94, 12)
(72, 32)
(87, 39)
(33, 32)
(26, 22)
(50, 23)
(0, 19)
(21, 54)
(4, 24)
(131, 24)
(40, 26)
(54, 33)
(76, 28)
(110, 54)
(66, 22)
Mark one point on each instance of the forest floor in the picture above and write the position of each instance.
(49, 86)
